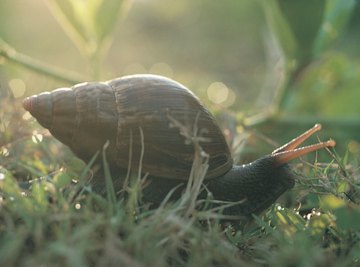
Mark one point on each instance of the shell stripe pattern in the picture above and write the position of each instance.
(89, 114)
(145, 101)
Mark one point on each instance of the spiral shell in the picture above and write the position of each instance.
(134, 114)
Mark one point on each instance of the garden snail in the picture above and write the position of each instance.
(133, 114)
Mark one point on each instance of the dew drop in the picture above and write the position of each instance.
(36, 137)
(5, 152)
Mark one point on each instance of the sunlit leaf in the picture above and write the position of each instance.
(62, 179)
(332, 84)
(68, 14)
(343, 186)
(39, 193)
(88, 23)
(107, 16)
(331, 202)
(319, 222)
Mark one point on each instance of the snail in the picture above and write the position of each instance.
(135, 115)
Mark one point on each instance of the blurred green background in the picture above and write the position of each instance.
(273, 67)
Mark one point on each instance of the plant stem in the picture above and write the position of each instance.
(12, 55)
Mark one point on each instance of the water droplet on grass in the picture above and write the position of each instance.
(36, 137)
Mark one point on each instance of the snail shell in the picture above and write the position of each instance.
(88, 115)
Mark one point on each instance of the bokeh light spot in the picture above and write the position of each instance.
(26, 116)
(162, 68)
(354, 147)
(218, 92)
(17, 87)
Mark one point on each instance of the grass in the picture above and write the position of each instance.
(51, 224)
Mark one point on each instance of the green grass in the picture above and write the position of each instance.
(52, 224)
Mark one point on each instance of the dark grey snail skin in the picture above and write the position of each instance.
(136, 114)
(257, 187)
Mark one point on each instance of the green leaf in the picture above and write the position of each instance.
(335, 95)
(88, 23)
(305, 19)
(330, 202)
(70, 18)
(280, 28)
(336, 16)
(107, 15)
(62, 179)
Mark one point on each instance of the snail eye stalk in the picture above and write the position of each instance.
(289, 151)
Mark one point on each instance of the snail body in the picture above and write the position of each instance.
(136, 114)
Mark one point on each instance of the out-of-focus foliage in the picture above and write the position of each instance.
(333, 84)
(318, 74)
(305, 30)
(201, 44)
(293, 62)
(303, 39)
(89, 24)
(198, 43)
(336, 17)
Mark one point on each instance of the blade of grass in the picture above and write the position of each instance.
(111, 196)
